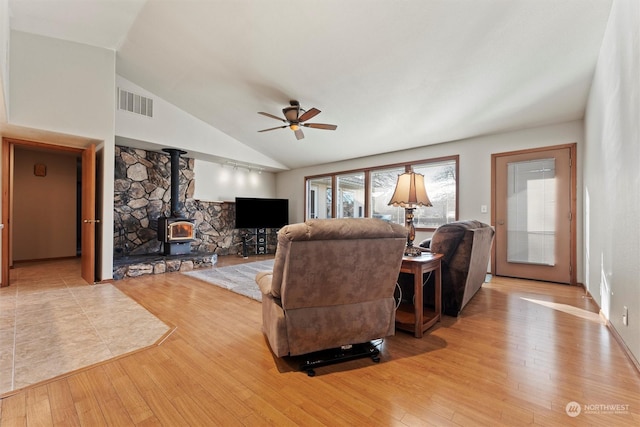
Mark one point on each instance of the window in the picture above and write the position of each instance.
(383, 183)
(319, 197)
(366, 193)
(351, 195)
(440, 182)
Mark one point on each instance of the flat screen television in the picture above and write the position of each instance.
(261, 213)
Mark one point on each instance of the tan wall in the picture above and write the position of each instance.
(44, 208)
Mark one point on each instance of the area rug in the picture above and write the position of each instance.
(240, 278)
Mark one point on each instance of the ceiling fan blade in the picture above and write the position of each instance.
(299, 134)
(272, 116)
(309, 114)
(320, 126)
(279, 127)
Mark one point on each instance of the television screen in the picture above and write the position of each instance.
(261, 213)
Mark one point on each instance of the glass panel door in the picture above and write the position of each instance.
(531, 211)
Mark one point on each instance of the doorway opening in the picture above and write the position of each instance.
(44, 198)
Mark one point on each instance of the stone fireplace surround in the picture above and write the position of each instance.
(142, 194)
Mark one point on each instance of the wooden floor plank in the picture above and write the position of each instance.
(135, 405)
(63, 410)
(14, 410)
(38, 406)
(113, 409)
(85, 401)
(193, 400)
(220, 386)
(140, 372)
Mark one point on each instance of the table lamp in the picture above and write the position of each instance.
(410, 193)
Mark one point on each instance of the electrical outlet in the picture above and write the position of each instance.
(625, 317)
(483, 209)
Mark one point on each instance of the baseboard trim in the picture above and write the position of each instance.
(20, 261)
(621, 342)
(614, 332)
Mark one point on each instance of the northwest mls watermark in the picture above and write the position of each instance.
(573, 409)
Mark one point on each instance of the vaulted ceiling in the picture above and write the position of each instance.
(391, 74)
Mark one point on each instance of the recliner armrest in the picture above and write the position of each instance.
(263, 279)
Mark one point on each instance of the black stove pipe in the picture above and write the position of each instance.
(175, 180)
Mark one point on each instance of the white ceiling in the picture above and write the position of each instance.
(392, 74)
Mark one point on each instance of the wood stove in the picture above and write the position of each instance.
(176, 234)
(175, 231)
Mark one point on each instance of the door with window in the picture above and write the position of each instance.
(534, 205)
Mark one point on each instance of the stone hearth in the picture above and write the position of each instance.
(139, 265)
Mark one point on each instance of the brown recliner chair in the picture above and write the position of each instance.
(332, 285)
(466, 246)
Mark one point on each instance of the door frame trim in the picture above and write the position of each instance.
(573, 202)
(7, 177)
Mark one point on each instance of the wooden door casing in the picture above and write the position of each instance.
(88, 226)
(564, 270)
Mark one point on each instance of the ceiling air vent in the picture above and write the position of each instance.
(134, 103)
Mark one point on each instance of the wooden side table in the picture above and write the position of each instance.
(416, 318)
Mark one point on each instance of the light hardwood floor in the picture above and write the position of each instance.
(518, 355)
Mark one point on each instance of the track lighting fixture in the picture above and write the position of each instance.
(249, 168)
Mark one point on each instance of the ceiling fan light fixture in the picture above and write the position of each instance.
(295, 118)
(291, 113)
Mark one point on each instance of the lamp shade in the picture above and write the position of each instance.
(410, 191)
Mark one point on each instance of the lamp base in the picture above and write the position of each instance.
(412, 251)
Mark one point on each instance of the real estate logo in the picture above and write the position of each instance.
(573, 409)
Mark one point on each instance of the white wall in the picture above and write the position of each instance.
(5, 34)
(4, 58)
(475, 168)
(62, 86)
(612, 175)
(44, 207)
(218, 183)
(68, 88)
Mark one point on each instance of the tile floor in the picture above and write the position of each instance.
(52, 322)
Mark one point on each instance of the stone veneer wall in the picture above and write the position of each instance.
(142, 194)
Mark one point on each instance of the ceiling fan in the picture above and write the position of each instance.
(294, 118)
